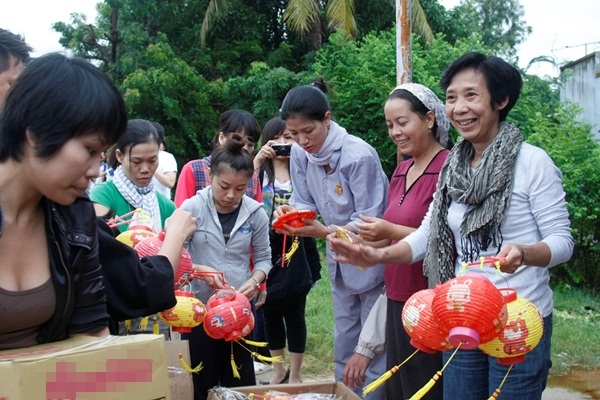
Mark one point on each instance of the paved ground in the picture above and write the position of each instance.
(551, 393)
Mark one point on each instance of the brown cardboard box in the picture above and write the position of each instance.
(337, 388)
(84, 367)
(182, 387)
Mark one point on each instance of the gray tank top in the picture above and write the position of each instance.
(23, 313)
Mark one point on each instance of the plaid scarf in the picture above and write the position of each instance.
(139, 197)
(486, 189)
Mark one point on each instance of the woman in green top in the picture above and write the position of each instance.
(135, 159)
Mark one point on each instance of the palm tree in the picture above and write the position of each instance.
(304, 17)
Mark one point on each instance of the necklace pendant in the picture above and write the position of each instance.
(338, 189)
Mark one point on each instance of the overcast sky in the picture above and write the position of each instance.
(561, 29)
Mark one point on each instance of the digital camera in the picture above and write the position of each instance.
(282, 149)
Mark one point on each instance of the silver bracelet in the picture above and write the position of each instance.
(257, 282)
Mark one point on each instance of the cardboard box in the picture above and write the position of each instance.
(84, 367)
(336, 388)
(182, 387)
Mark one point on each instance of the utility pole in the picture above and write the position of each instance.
(403, 42)
(403, 48)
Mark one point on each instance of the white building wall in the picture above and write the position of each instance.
(582, 86)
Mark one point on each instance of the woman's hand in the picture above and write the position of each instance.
(262, 298)
(355, 372)
(282, 209)
(312, 228)
(511, 256)
(265, 152)
(354, 253)
(251, 287)
(374, 229)
(181, 222)
(213, 279)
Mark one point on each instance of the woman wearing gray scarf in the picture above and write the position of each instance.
(339, 176)
(496, 196)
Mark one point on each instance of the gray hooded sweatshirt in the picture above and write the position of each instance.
(250, 235)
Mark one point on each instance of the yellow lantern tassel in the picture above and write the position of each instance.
(187, 367)
(383, 378)
(253, 343)
(497, 391)
(155, 326)
(293, 248)
(234, 368)
(260, 357)
(144, 323)
(127, 324)
(423, 391)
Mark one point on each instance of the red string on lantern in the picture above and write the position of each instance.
(471, 309)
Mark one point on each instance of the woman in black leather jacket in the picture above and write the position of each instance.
(59, 115)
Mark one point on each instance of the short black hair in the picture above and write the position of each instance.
(502, 79)
(305, 102)
(12, 46)
(57, 98)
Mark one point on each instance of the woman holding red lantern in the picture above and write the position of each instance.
(418, 124)
(229, 223)
(496, 196)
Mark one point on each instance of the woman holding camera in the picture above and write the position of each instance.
(288, 284)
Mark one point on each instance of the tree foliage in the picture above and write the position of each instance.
(151, 49)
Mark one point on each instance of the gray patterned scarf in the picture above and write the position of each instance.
(486, 190)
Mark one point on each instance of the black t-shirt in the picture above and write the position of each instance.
(228, 221)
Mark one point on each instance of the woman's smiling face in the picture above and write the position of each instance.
(470, 110)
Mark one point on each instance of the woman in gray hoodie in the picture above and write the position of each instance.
(228, 224)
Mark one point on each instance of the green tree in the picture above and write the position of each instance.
(500, 24)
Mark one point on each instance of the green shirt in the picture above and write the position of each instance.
(107, 194)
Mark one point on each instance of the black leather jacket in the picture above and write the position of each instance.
(75, 268)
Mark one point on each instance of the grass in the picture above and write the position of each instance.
(575, 338)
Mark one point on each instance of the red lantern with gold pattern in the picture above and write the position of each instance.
(523, 331)
(188, 313)
(229, 315)
(420, 324)
(151, 245)
(471, 309)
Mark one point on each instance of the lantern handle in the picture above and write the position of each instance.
(184, 280)
(121, 220)
(483, 261)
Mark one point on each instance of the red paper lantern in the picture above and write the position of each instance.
(135, 234)
(420, 324)
(471, 309)
(293, 218)
(188, 313)
(229, 315)
(523, 331)
(150, 246)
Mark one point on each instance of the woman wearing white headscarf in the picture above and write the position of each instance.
(418, 124)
